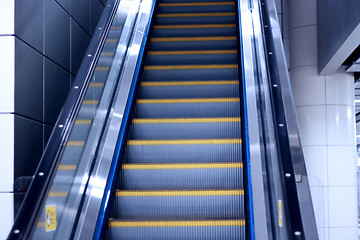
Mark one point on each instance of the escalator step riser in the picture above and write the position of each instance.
(182, 179)
(199, 91)
(213, 7)
(191, 74)
(187, 110)
(194, 32)
(183, 153)
(199, 130)
(80, 132)
(178, 59)
(180, 207)
(178, 233)
(161, 19)
(193, 45)
(72, 155)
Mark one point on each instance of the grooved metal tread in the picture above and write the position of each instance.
(182, 174)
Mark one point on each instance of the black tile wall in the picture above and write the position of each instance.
(51, 39)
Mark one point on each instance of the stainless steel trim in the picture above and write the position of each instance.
(303, 190)
(95, 192)
(64, 229)
(260, 211)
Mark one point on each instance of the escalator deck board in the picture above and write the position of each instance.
(182, 172)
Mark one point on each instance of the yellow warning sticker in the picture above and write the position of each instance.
(280, 212)
(50, 218)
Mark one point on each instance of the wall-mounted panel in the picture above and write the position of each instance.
(96, 11)
(79, 43)
(80, 11)
(29, 22)
(56, 88)
(28, 81)
(28, 146)
(7, 73)
(336, 22)
(57, 34)
(66, 4)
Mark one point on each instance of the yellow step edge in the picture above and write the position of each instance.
(181, 166)
(111, 40)
(83, 121)
(101, 68)
(191, 223)
(188, 100)
(185, 120)
(186, 39)
(186, 67)
(195, 26)
(196, 4)
(184, 142)
(187, 83)
(57, 194)
(96, 84)
(75, 143)
(67, 167)
(231, 192)
(222, 14)
(90, 102)
(192, 52)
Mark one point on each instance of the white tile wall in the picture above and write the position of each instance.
(343, 233)
(7, 17)
(6, 213)
(316, 165)
(7, 73)
(6, 153)
(308, 87)
(343, 207)
(312, 125)
(340, 89)
(340, 125)
(342, 161)
(320, 198)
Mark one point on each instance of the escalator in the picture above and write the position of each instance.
(177, 127)
(181, 175)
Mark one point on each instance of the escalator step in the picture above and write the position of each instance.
(196, 7)
(178, 230)
(193, 43)
(196, 109)
(189, 89)
(220, 57)
(195, 18)
(191, 72)
(192, 30)
(183, 151)
(184, 204)
(182, 176)
(185, 128)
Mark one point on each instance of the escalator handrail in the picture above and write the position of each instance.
(24, 222)
(297, 192)
(120, 144)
